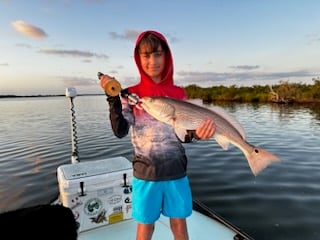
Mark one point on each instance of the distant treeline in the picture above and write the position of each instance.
(284, 92)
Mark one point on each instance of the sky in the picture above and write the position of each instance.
(47, 46)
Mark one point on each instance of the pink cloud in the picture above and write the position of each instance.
(28, 29)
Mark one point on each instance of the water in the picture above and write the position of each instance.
(282, 202)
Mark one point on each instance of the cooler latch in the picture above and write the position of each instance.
(82, 193)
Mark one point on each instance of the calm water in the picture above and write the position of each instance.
(282, 202)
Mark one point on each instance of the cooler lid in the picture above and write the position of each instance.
(92, 168)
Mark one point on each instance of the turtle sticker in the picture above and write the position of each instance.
(93, 206)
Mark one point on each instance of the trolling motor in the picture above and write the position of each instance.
(112, 88)
(71, 93)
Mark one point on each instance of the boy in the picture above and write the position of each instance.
(160, 184)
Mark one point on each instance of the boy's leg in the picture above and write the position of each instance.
(144, 231)
(179, 228)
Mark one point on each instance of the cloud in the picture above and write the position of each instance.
(4, 64)
(77, 81)
(23, 45)
(28, 29)
(133, 34)
(171, 39)
(313, 38)
(208, 78)
(245, 67)
(128, 35)
(95, 1)
(73, 53)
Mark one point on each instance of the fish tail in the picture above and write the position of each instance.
(259, 159)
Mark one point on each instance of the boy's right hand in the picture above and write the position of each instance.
(104, 79)
(109, 84)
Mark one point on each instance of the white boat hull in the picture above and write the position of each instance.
(200, 227)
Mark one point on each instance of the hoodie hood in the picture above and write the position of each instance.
(146, 86)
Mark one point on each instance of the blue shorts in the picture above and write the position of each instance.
(172, 198)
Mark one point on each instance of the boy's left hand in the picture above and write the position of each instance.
(206, 129)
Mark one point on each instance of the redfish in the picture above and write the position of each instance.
(184, 115)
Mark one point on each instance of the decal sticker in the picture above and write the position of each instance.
(100, 218)
(93, 206)
(114, 199)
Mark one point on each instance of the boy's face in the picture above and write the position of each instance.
(152, 62)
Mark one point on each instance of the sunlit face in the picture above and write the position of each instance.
(152, 63)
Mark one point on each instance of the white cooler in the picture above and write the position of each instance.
(98, 192)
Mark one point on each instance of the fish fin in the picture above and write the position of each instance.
(196, 101)
(222, 141)
(229, 118)
(181, 133)
(259, 159)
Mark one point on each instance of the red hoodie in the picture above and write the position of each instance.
(147, 87)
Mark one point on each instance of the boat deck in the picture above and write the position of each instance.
(200, 227)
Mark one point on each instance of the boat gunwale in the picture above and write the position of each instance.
(205, 210)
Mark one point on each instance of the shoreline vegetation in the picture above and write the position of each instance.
(282, 93)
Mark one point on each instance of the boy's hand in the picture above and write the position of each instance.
(104, 79)
(206, 130)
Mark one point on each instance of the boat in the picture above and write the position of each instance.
(94, 203)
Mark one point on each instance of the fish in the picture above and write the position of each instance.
(184, 115)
